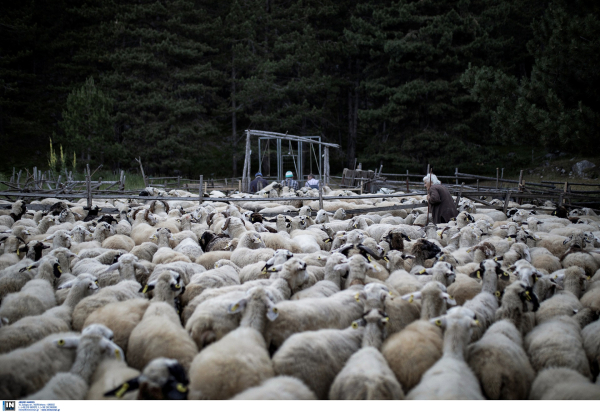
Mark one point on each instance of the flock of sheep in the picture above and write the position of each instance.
(176, 300)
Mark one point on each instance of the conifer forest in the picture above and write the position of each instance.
(406, 83)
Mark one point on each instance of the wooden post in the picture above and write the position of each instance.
(200, 189)
(12, 178)
(506, 200)
(565, 190)
(428, 168)
(456, 175)
(459, 193)
(355, 160)
(320, 195)
(206, 186)
(122, 181)
(478, 185)
(88, 182)
(178, 182)
(361, 186)
(19, 178)
(326, 165)
(58, 181)
(240, 185)
(246, 170)
(225, 182)
(497, 175)
(521, 186)
(35, 177)
(407, 188)
(139, 160)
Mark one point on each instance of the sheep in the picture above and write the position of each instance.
(166, 255)
(414, 349)
(329, 285)
(190, 248)
(127, 266)
(160, 334)
(119, 242)
(58, 319)
(366, 374)
(590, 262)
(557, 343)
(122, 317)
(208, 321)
(224, 275)
(161, 379)
(240, 360)
(98, 264)
(122, 291)
(400, 312)
(26, 370)
(566, 301)
(591, 344)
(35, 298)
(142, 226)
(316, 357)
(485, 304)
(13, 279)
(211, 241)
(101, 233)
(450, 377)
(302, 315)
(563, 384)
(73, 385)
(144, 251)
(250, 249)
(278, 388)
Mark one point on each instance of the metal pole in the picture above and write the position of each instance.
(200, 198)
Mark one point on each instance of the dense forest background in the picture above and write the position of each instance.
(455, 83)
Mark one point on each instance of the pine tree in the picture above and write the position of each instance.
(557, 105)
(87, 124)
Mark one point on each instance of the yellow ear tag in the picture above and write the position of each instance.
(478, 274)
(145, 289)
(275, 310)
(468, 250)
(386, 320)
(442, 258)
(18, 252)
(391, 294)
(234, 307)
(273, 269)
(264, 271)
(181, 387)
(527, 295)
(96, 282)
(477, 322)
(411, 299)
(369, 258)
(385, 258)
(497, 293)
(118, 354)
(28, 268)
(354, 325)
(357, 297)
(422, 271)
(61, 342)
(122, 391)
(178, 286)
(438, 322)
(327, 240)
(59, 269)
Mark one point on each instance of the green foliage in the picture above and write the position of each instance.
(87, 123)
(452, 83)
(555, 106)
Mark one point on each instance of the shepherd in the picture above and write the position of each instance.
(440, 200)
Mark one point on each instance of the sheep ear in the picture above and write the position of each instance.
(412, 296)
(128, 386)
(141, 267)
(51, 236)
(238, 306)
(449, 300)
(476, 274)
(455, 236)
(67, 343)
(275, 268)
(112, 267)
(116, 350)
(566, 241)
(150, 286)
(342, 266)
(272, 313)
(68, 284)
